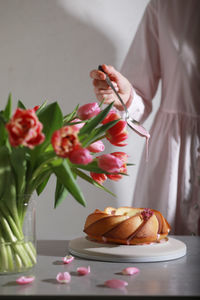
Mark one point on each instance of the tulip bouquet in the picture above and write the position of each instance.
(36, 143)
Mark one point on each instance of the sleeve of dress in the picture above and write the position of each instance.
(142, 63)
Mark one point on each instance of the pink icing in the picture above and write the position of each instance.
(141, 131)
(146, 213)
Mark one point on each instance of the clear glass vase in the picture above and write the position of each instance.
(17, 234)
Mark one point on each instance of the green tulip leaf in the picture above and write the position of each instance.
(92, 181)
(8, 108)
(21, 105)
(60, 193)
(52, 119)
(64, 174)
(19, 165)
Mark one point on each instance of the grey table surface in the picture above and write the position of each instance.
(178, 277)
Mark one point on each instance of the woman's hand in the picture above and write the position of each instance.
(104, 91)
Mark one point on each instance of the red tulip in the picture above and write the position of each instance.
(111, 116)
(88, 111)
(36, 107)
(65, 140)
(98, 177)
(117, 133)
(25, 129)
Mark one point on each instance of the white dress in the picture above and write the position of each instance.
(166, 47)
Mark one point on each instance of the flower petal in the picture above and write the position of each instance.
(67, 259)
(64, 277)
(116, 283)
(25, 279)
(130, 271)
(83, 270)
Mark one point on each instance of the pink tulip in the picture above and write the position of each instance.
(64, 277)
(96, 147)
(80, 156)
(115, 283)
(123, 157)
(68, 259)
(110, 163)
(88, 111)
(130, 271)
(83, 270)
(25, 279)
(79, 125)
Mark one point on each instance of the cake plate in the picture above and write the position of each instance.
(166, 250)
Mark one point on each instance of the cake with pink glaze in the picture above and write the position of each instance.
(126, 225)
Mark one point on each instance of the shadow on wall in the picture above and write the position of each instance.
(47, 54)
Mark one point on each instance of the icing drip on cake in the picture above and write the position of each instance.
(146, 214)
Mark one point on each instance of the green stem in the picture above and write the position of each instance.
(18, 261)
(30, 251)
(3, 253)
(6, 228)
(10, 257)
(15, 253)
(16, 229)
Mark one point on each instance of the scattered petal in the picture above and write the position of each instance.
(67, 259)
(83, 270)
(25, 279)
(130, 271)
(116, 283)
(64, 277)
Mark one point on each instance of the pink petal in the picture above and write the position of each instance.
(64, 277)
(67, 259)
(25, 279)
(83, 270)
(130, 271)
(116, 283)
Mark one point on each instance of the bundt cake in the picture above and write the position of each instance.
(126, 225)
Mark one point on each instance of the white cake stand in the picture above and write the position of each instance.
(167, 250)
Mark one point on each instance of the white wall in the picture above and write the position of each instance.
(47, 49)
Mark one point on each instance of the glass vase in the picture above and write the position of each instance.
(17, 234)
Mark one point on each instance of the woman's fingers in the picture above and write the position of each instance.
(104, 92)
(96, 74)
(103, 84)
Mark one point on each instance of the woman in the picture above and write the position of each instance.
(166, 47)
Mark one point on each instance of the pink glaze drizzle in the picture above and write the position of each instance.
(142, 132)
(146, 214)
